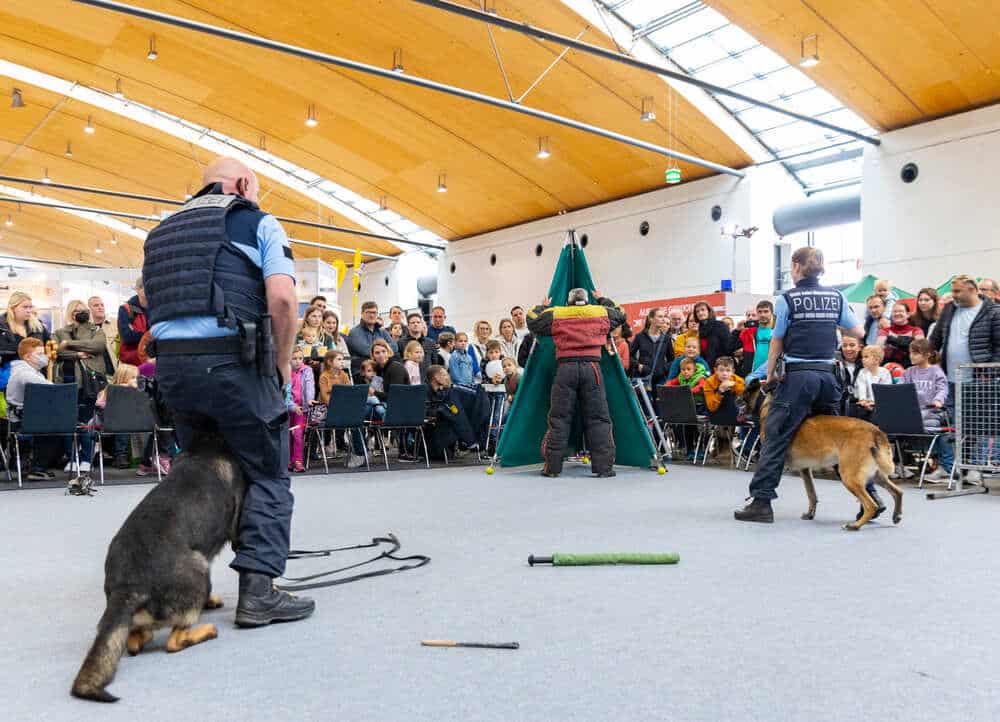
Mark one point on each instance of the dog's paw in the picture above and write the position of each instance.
(809, 516)
(896, 518)
(853, 526)
(214, 601)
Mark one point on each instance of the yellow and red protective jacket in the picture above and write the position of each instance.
(579, 332)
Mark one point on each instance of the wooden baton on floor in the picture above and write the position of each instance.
(479, 645)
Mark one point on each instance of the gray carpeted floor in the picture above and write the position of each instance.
(795, 621)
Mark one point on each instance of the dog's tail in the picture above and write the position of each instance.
(102, 660)
(882, 452)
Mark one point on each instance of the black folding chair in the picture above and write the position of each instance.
(49, 410)
(727, 415)
(347, 409)
(676, 407)
(405, 410)
(897, 413)
(127, 411)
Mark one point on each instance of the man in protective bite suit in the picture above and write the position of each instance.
(579, 330)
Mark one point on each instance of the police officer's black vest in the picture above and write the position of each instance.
(192, 268)
(813, 317)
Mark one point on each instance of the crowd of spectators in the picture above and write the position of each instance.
(713, 356)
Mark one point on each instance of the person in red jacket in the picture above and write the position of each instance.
(132, 324)
(579, 330)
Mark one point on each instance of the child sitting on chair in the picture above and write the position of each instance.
(692, 375)
(511, 379)
(724, 384)
(373, 381)
(691, 351)
(125, 375)
(932, 393)
(413, 355)
(870, 374)
(302, 395)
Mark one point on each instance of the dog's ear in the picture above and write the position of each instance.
(753, 385)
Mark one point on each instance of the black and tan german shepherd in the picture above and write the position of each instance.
(157, 570)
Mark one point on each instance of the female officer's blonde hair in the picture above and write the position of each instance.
(810, 260)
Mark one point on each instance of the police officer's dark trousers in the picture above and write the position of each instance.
(579, 380)
(802, 393)
(217, 392)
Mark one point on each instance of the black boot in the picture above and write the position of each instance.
(879, 506)
(260, 603)
(758, 510)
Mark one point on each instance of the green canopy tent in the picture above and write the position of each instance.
(521, 441)
(860, 291)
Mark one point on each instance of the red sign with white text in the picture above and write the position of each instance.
(636, 312)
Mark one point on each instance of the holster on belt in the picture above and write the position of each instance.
(267, 358)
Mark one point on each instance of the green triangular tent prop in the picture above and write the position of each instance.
(521, 440)
(860, 291)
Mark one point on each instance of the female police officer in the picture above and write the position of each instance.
(805, 331)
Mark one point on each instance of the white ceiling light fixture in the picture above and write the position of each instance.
(69, 150)
(10, 221)
(328, 194)
(648, 114)
(98, 249)
(16, 99)
(119, 93)
(809, 56)
(442, 182)
(152, 54)
(311, 121)
(114, 240)
(397, 61)
(45, 178)
(543, 147)
(89, 127)
(187, 195)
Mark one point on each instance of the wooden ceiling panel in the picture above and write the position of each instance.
(375, 136)
(894, 62)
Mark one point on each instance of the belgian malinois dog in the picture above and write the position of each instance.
(856, 448)
(157, 570)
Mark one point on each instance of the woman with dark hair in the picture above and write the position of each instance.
(652, 349)
(715, 338)
(927, 311)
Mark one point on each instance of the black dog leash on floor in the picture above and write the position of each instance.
(303, 583)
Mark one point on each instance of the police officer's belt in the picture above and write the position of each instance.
(809, 366)
(196, 346)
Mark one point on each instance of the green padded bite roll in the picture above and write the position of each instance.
(570, 560)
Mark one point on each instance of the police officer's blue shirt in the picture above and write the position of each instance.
(847, 320)
(269, 254)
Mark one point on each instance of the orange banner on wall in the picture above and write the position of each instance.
(636, 312)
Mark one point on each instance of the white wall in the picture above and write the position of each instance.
(919, 234)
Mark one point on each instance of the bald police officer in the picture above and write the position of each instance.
(220, 282)
(805, 331)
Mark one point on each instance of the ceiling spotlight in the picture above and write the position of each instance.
(809, 55)
(114, 240)
(187, 195)
(45, 178)
(152, 54)
(543, 147)
(9, 222)
(442, 183)
(397, 61)
(16, 101)
(89, 128)
(648, 114)
(119, 93)
(69, 150)
(311, 121)
(11, 273)
(98, 249)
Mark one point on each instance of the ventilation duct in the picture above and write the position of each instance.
(817, 212)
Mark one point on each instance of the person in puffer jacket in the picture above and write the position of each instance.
(579, 331)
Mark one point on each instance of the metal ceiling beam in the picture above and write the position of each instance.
(550, 36)
(826, 160)
(157, 219)
(408, 79)
(176, 202)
